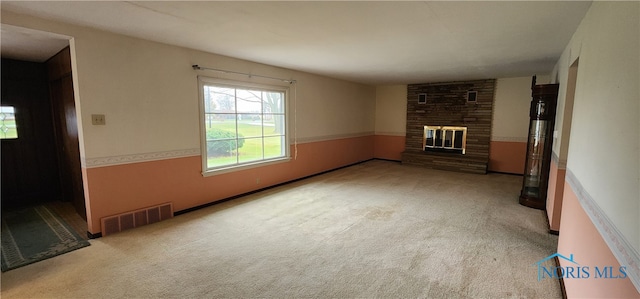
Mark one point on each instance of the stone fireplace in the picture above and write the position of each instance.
(449, 125)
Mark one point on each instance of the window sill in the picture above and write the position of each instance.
(235, 168)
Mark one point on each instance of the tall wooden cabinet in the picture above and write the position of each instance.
(542, 114)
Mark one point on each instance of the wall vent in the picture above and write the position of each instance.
(128, 220)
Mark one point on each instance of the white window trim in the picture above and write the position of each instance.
(202, 81)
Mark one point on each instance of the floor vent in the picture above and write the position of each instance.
(124, 221)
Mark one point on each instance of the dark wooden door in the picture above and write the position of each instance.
(66, 128)
(29, 162)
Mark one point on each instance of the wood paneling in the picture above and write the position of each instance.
(29, 163)
(66, 128)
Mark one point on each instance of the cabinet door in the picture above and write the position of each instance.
(535, 158)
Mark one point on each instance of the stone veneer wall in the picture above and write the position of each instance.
(447, 106)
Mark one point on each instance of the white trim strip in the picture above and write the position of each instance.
(401, 134)
(562, 164)
(508, 139)
(155, 156)
(620, 247)
(333, 137)
(135, 158)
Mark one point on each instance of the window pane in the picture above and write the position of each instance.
(221, 153)
(448, 138)
(438, 138)
(249, 101)
(219, 126)
(250, 149)
(274, 147)
(8, 128)
(249, 125)
(273, 124)
(219, 99)
(273, 102)
(222, 121)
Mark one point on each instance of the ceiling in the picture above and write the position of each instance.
(31, 45)
(367, 42)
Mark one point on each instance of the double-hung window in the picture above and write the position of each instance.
(242, 124)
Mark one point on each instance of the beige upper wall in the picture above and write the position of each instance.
(510, 115)
(604, 145)
(148, 93)
(511, 108)
(391, 110)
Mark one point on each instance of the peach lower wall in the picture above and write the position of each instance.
(121, 188)
(507, 156)
(579, 236)
(388, 147)
(554, 195)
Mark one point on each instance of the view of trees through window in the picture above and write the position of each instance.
(243, 125)
(8, 128)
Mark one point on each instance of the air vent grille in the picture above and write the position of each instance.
(124, 221)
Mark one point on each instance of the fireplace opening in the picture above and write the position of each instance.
(445, 139)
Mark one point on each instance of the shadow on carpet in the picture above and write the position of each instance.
(33, 234)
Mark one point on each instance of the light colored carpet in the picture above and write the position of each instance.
(377, 229)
